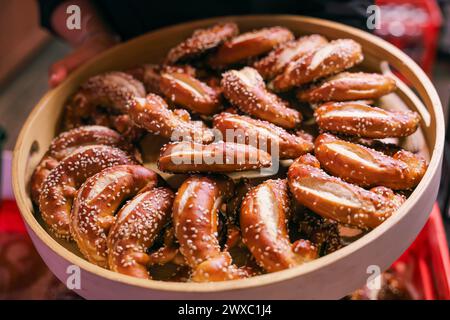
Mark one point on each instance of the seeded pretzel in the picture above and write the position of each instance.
(360, 119)
(264, 214)
(249, 45)
(61, 185)
(277, 60)
(195, 216)
(262, 134)
(66, 143)
(366, 167)
(201, 41)
(246, 90)
(98, 200)
(114, 90)
(137, 225)
(184, 157)
(329, 59)
(335, 199)
(349, 86)
(154, 115)
(189, 92)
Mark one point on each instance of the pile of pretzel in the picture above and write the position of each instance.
(341, 181)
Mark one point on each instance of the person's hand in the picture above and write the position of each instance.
(59, 70)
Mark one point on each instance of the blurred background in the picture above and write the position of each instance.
(421, 28)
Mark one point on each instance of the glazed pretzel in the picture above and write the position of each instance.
(247, 130)
(184, 157)
(66, 143)
(61, 185)
(137, 226)
(335, 199)
(98, 200)
(154, 115)
(201, 41)
(264, 214)
(195, 217)
(189, 92)
(329, 59)
(114, 90)
(360, 119)
(277, 60)
(249, 45)
(349, 86)
(366, 167)
(246, 90)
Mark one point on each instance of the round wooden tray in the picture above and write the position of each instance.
(329, 277)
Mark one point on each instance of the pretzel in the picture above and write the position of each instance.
(277, 60)
(195, 217)
(66, 143)
(154, 115)
(329, 59)
(332, 198)
(98, 200)
(360, 119)
(189, 92)
(264, 214)
(138, 224)
(246, 90)
(201, 41)
(366, 167)
(114, 90)
(184, 157)
(243, 129)
(150, 74)
(249, 45)
(61, 185)
(349, 86)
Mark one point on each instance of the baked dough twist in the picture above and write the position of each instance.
(335, 199)
(97, 202)
(61, 185)
(360, 119)
(195, 216)
(262, 134)
(349, 86)
(246, 90)
(329, 59)
(263, 220)
(367, 167)
(67, 142)
(185, 157)
(137, 225)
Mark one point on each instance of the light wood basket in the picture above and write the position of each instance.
(329, 277)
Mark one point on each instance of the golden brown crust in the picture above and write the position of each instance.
(277, 60)
(98, 200)
(189, 92)
(366, 167)
(67, 142)
(201, 41)
(360, 119)
(185, 157)
(262, 134)
(195, 217)
(154, 115)
(246, 90)
(329, 59)
(335, 199)
(114, 90)
(61, 185)
(249, 45)
(349, 86)
(264, 213)
(138, 224)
